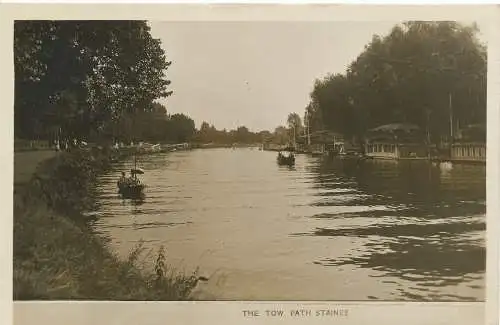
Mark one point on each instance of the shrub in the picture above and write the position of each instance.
(56, 256)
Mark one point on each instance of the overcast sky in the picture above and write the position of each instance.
(255, 73)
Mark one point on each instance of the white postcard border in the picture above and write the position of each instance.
(156, 313)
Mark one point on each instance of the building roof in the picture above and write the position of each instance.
(475, 126)
(323, 136)
(404, 127)
(323, 132)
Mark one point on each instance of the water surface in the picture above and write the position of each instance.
(322, 230)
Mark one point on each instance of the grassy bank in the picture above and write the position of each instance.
(56, 255)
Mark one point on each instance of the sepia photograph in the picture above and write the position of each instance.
(249, 160)
(264, 161)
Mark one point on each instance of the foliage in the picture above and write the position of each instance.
(295, 125)
(407, 76)
(154, 125)
(209, 134)
(181, 128)
(78, 78)
(57, 257)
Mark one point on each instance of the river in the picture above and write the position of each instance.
(322, 230)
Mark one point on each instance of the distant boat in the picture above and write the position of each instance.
(317, 153)
(287, 159)
(353, 156)
(446, 166)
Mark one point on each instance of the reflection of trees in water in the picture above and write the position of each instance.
(437, 260)
(429, 255)
(418, 185)
(425, 253)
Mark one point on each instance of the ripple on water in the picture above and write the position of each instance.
(323, 230)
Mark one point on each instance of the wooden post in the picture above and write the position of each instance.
(451, 116)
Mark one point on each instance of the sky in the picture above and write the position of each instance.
(254, 74)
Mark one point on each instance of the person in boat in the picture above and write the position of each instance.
(123, 179)
(133, 178)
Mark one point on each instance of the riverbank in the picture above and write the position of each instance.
(58, 257)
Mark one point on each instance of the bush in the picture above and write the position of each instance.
(56, 256)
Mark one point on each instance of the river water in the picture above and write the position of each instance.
(322, 230)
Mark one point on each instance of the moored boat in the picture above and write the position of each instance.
(353, 156)
(317, 153)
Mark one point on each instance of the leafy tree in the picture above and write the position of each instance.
(295, 125)
(408, 76)
(281, 135)
(209, 134)
(181, 128)
(82, 77)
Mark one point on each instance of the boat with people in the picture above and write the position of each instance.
(131, 186)
(286, 157)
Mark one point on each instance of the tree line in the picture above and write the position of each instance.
(94, 80)
(430, 74)
(242, 135)
(100, 81)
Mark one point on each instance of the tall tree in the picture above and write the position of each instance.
(181, 128)
(280, 135)
(410, 75)
(295, 125)
(81, 77)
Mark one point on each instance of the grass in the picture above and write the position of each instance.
(57, 256)
(26, 163)
(30, 145)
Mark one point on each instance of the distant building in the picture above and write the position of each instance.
(272, 146)
(321, 142)
(396, 141)
(468, 151)
(469, 144)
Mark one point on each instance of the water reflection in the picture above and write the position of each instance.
(324, 229)
(287, 167)
(437, 221)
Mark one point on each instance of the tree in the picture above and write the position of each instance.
(280, 135)
(295, 125)
(264, 136)
(294, 122)
(82, 77)
(181, 128)
(407, 76)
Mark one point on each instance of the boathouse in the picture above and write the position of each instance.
(469, 144)
(396, 141)
(268, 146)
(468, 151)
(322, 142)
